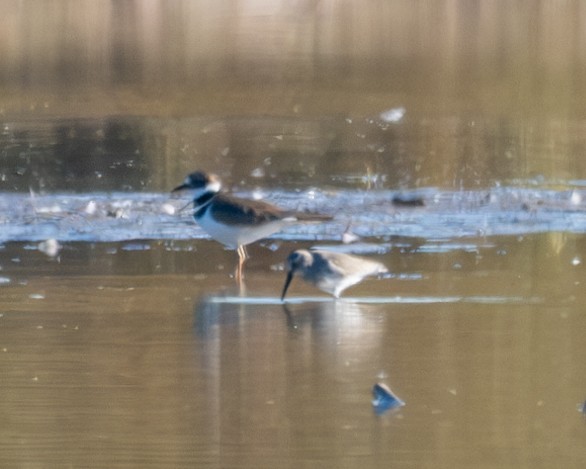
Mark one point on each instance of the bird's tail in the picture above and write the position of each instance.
(382, 269)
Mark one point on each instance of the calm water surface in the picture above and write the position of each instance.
(128, 343)
(131, 345)
(126, 358)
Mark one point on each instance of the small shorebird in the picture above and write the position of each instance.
(329, 271)
(233, 221)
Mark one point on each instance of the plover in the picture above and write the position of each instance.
(233, 221)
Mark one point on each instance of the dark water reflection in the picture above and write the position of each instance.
(149, 154)
(104, 364)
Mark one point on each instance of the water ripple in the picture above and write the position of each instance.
(377, 300)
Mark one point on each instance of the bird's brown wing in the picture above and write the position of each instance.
(232, 210)
(235, 211)
(351, 264)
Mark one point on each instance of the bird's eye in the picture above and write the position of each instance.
(295, 258)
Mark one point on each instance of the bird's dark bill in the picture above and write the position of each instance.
(180, 188)
(287, 282)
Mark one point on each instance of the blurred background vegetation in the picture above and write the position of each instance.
(133, 94)
(308, 57)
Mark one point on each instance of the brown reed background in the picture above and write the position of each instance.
(187, 57)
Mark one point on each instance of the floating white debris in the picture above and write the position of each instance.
(91, 207)
(274, 246)
(393, 115)
(168, 209)
(257, 195)
(576, 261)
(225, 151)
(4, 280)
(257, 173)
(118, 213)
(49, 209)
(36, 296)
(51, 247)
(349, 237)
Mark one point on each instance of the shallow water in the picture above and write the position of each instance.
(125, 341)
(449, 139)
(118, 355)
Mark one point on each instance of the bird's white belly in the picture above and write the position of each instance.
(238, 235)
(335, 285)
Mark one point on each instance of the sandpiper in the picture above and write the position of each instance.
(329, 271)
(233, 221)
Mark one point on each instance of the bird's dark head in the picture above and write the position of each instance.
(297, 261)
(199, 183)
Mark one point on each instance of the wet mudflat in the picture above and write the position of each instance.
(150, 357)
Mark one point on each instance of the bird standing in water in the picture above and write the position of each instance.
(233, 221)
(329, 271)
